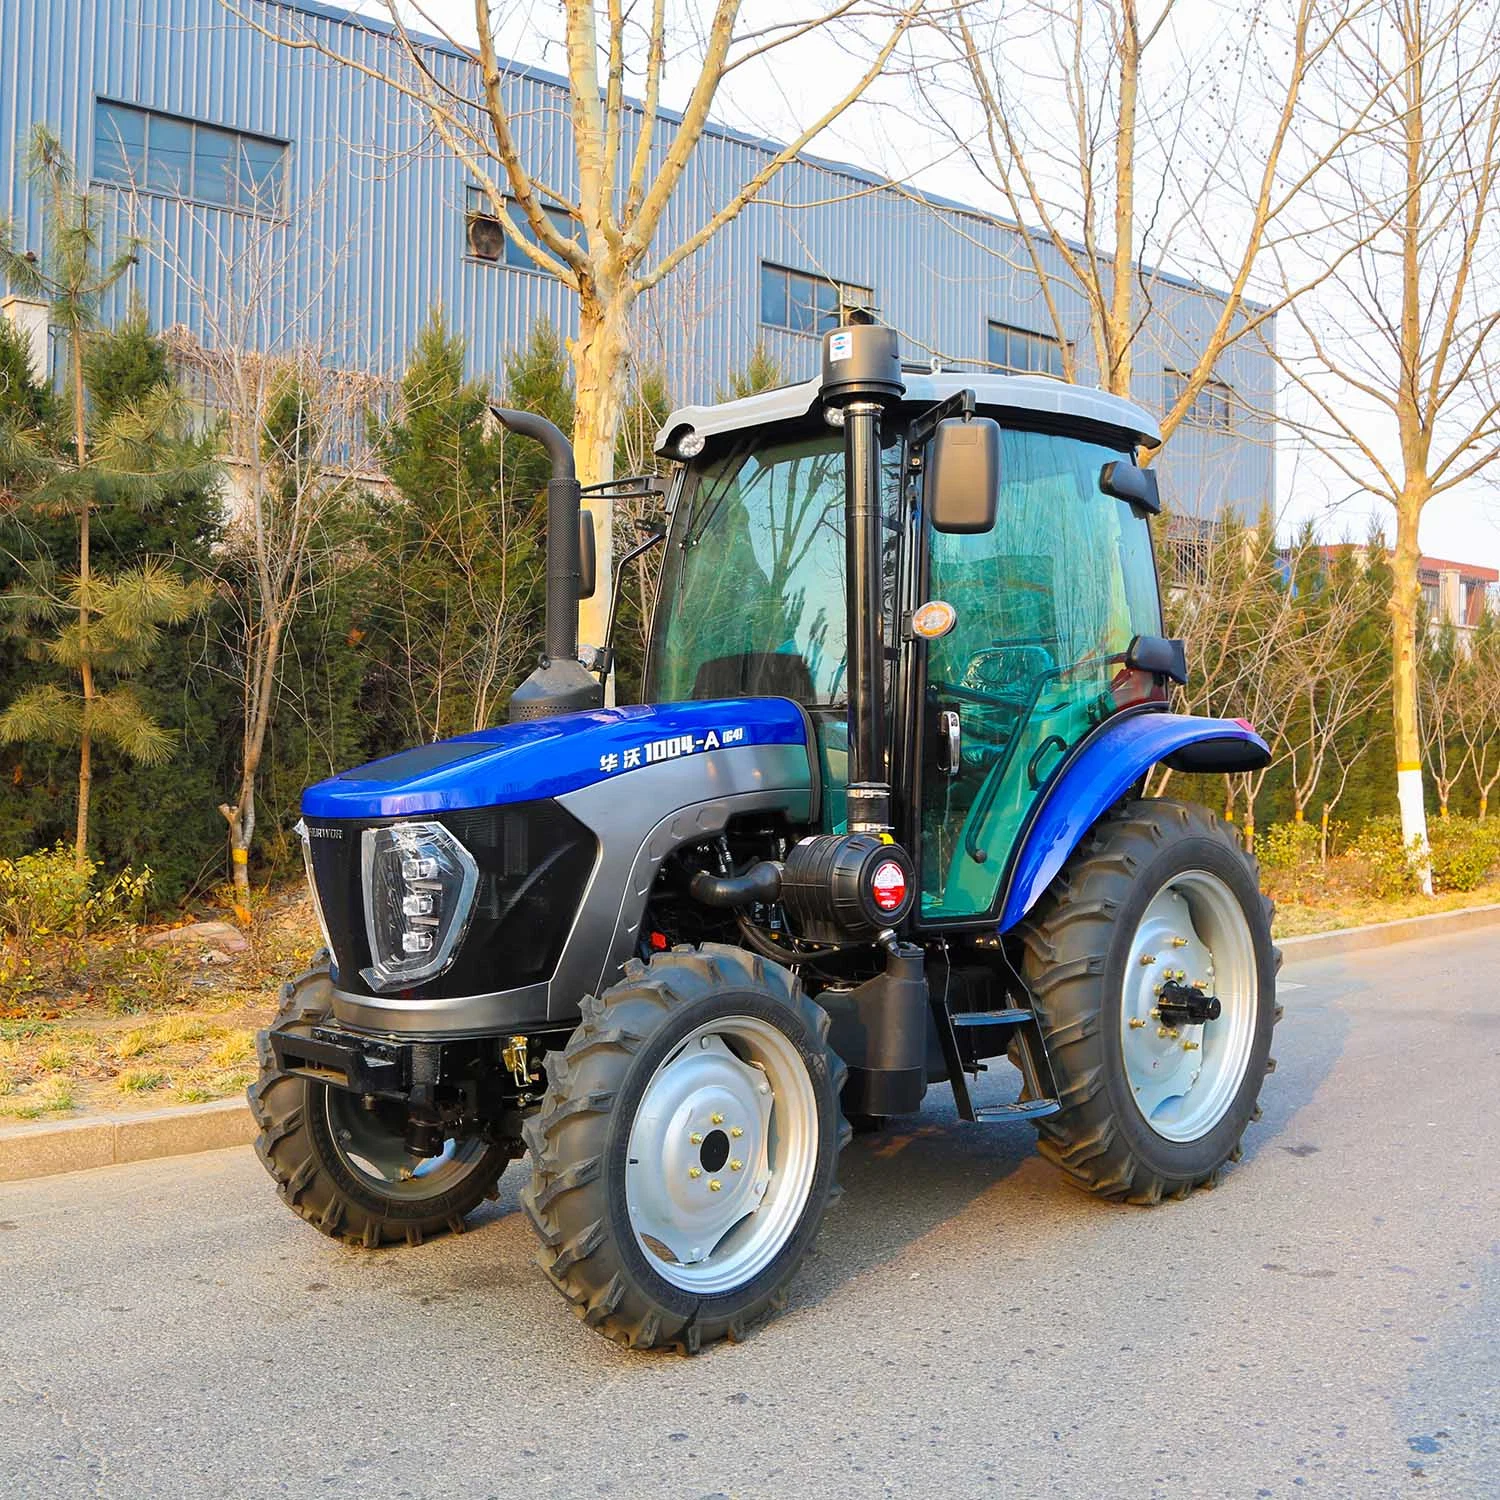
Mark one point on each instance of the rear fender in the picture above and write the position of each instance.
(1122, 751)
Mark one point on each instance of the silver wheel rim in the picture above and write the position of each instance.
(722, 1155)
(1183, 1079)
(372, 1145)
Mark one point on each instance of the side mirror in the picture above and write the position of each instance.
(588, 566)
(963, 475)
(1133, 483)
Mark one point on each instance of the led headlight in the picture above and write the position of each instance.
(312, 883)
(419, 892)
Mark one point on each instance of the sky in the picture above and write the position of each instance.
(894, 133)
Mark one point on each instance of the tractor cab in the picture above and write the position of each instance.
(1002, 648)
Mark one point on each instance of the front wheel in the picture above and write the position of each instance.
(341, 1162)
(1156, 915)
(685, 1151)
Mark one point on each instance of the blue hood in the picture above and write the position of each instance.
(548, 757)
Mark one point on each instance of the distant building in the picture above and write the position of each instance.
(1453, 593)
(208, 137)
(1457, 594)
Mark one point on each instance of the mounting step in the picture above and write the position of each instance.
(1024, 1109)
(990, 1017)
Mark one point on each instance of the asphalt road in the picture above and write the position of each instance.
(1326, 1323)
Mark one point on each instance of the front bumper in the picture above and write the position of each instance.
(329, 1054)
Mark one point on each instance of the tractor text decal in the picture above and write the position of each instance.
(668, 749)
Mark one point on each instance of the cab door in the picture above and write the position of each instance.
(1047, 602)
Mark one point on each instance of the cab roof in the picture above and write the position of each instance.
(1033, 395)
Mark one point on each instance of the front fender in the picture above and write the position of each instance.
(1102, 772)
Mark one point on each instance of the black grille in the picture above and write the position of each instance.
(534, 860)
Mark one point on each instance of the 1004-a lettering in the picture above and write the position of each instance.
(674, 746)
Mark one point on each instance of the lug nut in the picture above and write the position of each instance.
(714, 1184)
(716, 1119)
(1190, 1046)
(1179, 942)
(1147, 959)
(695, 1171)
(696, 1138)
(735, 1131)
(1136, 1023)
(736, 1165)
(1165, 1031)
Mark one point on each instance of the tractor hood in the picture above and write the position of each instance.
(549, 757)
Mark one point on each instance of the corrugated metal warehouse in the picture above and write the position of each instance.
(283, 199)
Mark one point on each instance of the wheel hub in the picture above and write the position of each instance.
(698, 1150)
(722, 1154)
(1185, 1024)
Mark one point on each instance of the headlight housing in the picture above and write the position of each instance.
(419, 884)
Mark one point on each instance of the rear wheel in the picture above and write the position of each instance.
(344, 1167)
(685, 1152)
(1154, 1102)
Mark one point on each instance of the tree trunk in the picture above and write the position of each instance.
(1323, 834)
(1405, 592)
(241, 819)
(1121, 314)
(85, 666)
(601, 362)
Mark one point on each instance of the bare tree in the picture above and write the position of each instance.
(1443, 683)
(1334, 675)
(1228, 601)
(1479, 711)
(1131, 158)
(294, 432)
(1409, 340)
(597, 224)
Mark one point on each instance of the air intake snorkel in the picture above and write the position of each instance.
(560, 684)
(862, 376)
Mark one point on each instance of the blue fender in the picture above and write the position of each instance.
(1123, 751)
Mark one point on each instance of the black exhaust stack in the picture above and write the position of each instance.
(560, 684)
(862, 375)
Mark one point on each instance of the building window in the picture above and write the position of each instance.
(160, 153)
(802, 303)
(489, 241)
(1213, 406)
(1015, 351)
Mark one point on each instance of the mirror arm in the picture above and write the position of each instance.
(606, 662)
(962, 403)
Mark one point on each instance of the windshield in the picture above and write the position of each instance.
(753, 599)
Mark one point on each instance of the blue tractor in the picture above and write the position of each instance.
(881, 818)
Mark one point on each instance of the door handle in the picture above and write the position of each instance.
(950, 742)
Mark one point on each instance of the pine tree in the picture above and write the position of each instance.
(113, 451)
(463, 540)
(759, 373)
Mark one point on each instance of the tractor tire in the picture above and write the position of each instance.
(1149, 1109)
(630, 1165)
(323, 1149)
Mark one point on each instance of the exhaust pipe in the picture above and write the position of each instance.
(560, 684)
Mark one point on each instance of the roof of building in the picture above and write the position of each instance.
(1035, 395)
(1469, 572)
(857, 174)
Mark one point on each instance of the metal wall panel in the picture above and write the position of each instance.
(374, 236)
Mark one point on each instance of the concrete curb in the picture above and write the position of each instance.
(71, 1145)
(45, 1148)
(1383, 934)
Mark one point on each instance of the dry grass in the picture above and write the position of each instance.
(1298, 918)
(112, 1025)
